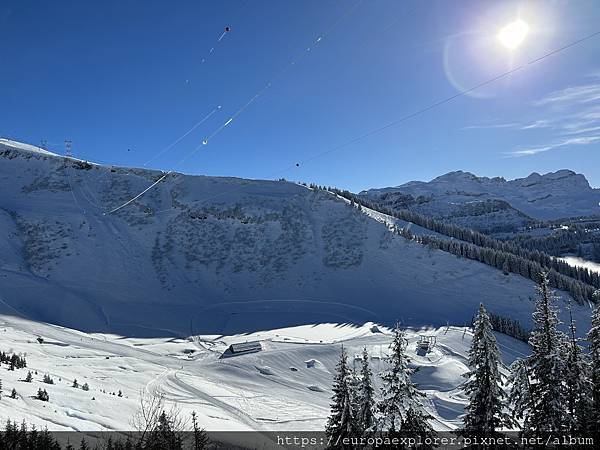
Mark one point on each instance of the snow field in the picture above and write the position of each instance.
(284, 387)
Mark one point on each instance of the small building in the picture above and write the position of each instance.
(426, 343)
(242, 348)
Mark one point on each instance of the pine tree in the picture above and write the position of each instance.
(164, 436)
(22, 436)
(539, 394)
(593, 338)
(201, 440)
(578, 383)
(366, 397)
(486, 410)
(32, 438)
(400, 407)
(75, 383)
(84, 445)
(29, 377)
(353, 386)
(43, 395)
(341, 422)
(10, 432)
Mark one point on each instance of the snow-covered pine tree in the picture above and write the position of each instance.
(520, 393)
(578, 382)
(400, 406)
(366, 397)
(486, 412)
(540, 395)
(593, 338)
(341, 422)
(354, 385)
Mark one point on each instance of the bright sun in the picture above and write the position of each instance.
(513, 34)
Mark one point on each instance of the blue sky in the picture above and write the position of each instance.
(124, 79)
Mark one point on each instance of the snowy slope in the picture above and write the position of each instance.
(26, 148)
(287, 386)
(470, 200)
(199, 255)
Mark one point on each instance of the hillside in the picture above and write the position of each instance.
(199, 255)
(494, 204)
(286, 386)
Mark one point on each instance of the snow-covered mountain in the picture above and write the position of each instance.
(198, 255)
(481, 202)
(145, 300)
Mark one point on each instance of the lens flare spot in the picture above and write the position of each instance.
(513, 34)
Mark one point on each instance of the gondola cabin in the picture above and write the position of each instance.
(242, 348)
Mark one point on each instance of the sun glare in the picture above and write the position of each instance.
(513, 34)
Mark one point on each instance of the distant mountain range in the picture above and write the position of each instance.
(494, 204)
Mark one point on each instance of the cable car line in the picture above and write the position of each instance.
(422, 110)
(443, 101)
(301, 55)
(180, 138)
(252, 99)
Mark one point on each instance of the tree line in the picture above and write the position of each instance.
(554, 389)
(504, 255)
(163, 432)
(13, 360)
(581, 240)
(508, 326)
(507, 262)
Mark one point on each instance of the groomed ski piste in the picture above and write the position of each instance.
(284, 387)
